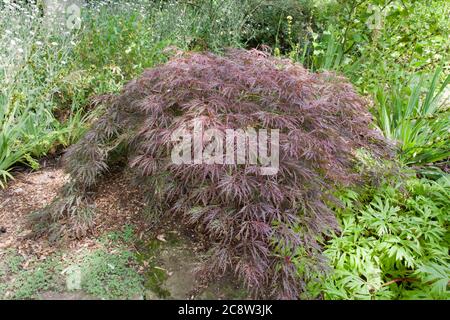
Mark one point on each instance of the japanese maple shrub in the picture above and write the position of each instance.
(256, 224)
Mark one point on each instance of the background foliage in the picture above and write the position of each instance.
(399, 60)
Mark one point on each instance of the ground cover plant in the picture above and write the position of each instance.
(108, 272)
(394, 245)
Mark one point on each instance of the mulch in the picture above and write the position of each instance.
(117, 204)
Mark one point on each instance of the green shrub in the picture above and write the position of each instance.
(385, 41)
(394, 243)
(279, 24)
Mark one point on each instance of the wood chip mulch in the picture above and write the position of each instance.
(117, 204)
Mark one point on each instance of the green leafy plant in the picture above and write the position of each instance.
(20, 283)
(107, 272)
(33, 62)
(279, 24)
(384, 41)
(394, 243)
(110, 275)
(419, 121)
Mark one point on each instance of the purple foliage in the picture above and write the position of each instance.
(255, 224)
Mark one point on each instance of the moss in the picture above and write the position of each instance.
(155, 276)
